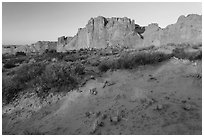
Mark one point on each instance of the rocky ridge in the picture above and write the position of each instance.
(101, 32)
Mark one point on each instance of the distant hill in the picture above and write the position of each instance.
(38, 47)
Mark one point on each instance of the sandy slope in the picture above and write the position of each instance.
(162, 99)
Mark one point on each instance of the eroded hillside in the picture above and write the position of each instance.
(154, 90)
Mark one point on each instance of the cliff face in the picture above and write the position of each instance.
(186, 30)
(101, 32)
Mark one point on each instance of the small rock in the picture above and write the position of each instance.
(54, 60)
(101, 124)
(94, 128)
(152, 78)
(87, 114)
(83, 83)
(93, 91)
(187, 107)
(96, 124)
(159, 107)
(183, 101)
(92, 77)
(97, 114)
(108, 83)
(114, 120)
(104, 116)
(79, 91)
(166, 97)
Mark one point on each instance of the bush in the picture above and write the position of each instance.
(129, 61)
(9, 65)
(104, 66)
(56, 75)
(11, 62)
(20, 54)
(42, 78)
(197, 46)
(71, 57)
(10, 90)
(94, 62)
(181, 54)
(50, 51)
(79, 69)
(28, 72)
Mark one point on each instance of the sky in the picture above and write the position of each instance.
(26, 23)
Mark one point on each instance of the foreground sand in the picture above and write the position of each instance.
(160, 99)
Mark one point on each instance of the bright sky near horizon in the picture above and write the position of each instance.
(26, 23)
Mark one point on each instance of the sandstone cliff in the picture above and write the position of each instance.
(101, 32)
(186, 30)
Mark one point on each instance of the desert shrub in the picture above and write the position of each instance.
(42, 78)
(7, 56)
(95, 62)
(50, 51)
(56, 75)
(151, 47)
(28, 72)
(79, 69)
(183, 45)
(10, 90)
(20, 54)
(105, 52)
(181, 54)
(197, 46)
(104, 66)
(17, 60)
(13, 61)
(194, 55)
(129, 61)
(48, 55)
(52, 54)
(71, 57)
(9, 65)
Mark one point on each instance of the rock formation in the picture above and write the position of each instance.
(101, 32)
(61, 42)
(186, 30)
